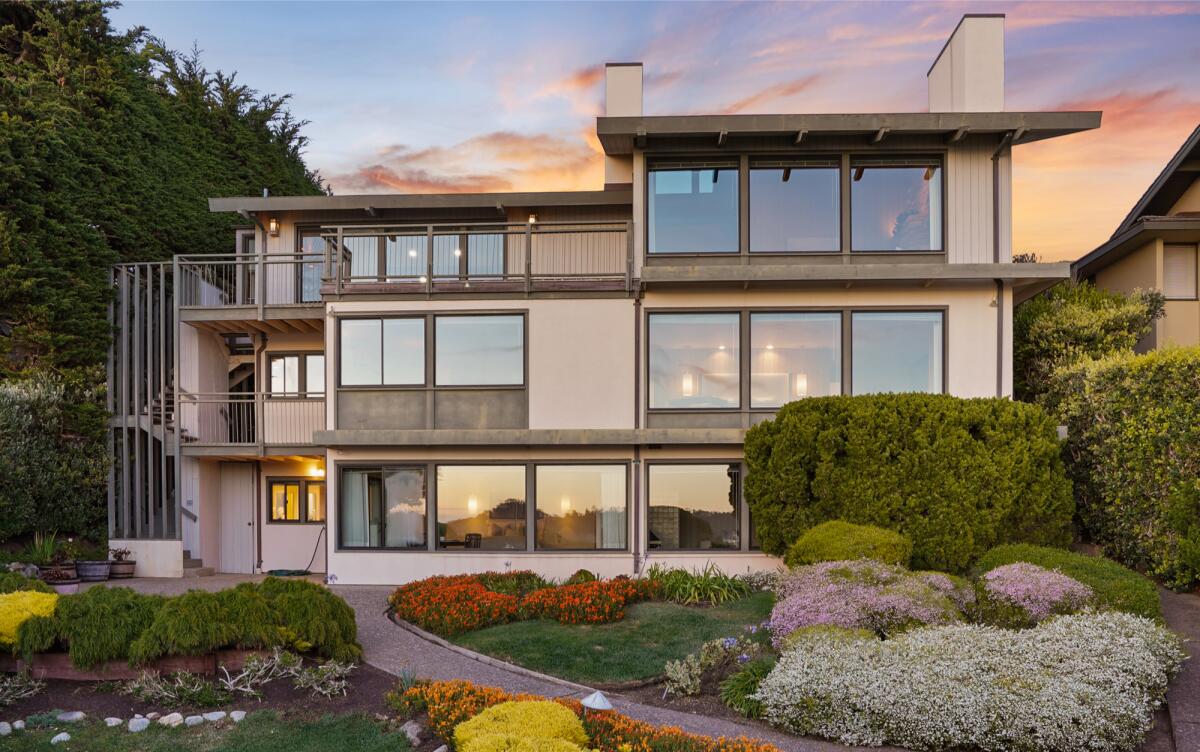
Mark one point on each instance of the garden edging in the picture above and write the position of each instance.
(487, 659)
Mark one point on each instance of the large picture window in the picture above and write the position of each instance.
(693, 209)
(295, 500)
(896, 205)
(693, 507)
(479, 350)
(694, 360)
(382, 507)
(383, 352)
(795, 206)
(481, 507)
(581, 507)
(793, 356)
(897, 351)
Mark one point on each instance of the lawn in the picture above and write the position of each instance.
(260, 732)
(633, 649)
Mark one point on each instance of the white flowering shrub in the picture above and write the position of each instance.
(1088, 681)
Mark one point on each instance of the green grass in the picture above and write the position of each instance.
(633, 649)
(260, 732)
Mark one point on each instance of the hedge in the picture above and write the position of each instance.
(837, 540)
(1115, 586)
(957, 476)
(1134, 454)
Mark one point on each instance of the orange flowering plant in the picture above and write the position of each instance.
(452, 605)
(449, 703)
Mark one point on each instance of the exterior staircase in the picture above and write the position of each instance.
(195, 567)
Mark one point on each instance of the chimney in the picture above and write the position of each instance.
(622, 98)
(968, 74)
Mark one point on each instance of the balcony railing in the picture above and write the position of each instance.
(229, 280)
(247, 419)
(501, 256)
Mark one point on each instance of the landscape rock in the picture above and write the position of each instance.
(171, 720)
(5, 728)
(138, 724)
(193, 720)
(18, 725)
(112, 722)
(152, 716)
(60, 738)
(74, 716)
(237, 716)
(215, 715)
(412, 730)
(442, 748)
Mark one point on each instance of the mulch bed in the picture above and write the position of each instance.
(99, 700)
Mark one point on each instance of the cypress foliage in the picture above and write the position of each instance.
(110, 146)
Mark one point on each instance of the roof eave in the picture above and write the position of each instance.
(419, 201)
(1123, 243)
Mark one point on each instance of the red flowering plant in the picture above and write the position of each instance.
(452, 605)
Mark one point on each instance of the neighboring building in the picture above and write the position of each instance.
(1155, 248)
(404, 385)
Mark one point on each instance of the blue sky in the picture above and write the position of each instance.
(434, 97)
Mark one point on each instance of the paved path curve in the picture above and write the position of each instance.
(392, 649)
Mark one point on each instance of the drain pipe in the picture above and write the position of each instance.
(636, 546)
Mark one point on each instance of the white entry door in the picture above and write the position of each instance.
(237, 518)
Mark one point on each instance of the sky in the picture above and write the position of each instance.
(446, 97)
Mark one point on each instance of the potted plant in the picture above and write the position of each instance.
(122, 564)
(94, 565)
(61, 579)
(61, 564)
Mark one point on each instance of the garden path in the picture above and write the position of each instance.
(1182, 612)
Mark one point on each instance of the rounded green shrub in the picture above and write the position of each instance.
(11, 582)
(1133, 450)
(956, 476)
(837, 540)
(581, 576)
(1116, 588)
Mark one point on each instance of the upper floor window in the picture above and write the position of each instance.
(1179, 272)
(794, 206)
(694, 360)
(479, 350)
(896, 351)
(693, 208)
(382, 352)
(793, 356)
(297, 374)
(896, 204)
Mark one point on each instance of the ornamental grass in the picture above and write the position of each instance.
(449, 703)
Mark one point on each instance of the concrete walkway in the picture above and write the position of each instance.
(1182, 612)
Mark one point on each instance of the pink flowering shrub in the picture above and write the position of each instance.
(1022, 595)
(861, 594)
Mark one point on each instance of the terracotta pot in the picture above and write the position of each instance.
(121, 570)
(65, 587)
(92, 571)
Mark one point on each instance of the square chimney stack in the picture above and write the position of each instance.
(968, 74)
(622, 98)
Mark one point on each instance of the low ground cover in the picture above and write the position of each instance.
(264, 731)
(447, 705)
(634, 649)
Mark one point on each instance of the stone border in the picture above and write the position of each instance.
(486, 659)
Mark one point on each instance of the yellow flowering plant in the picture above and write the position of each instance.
(17, 608)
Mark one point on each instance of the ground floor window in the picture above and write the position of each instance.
(896, 351)
(581, 507)
(693, 506)
(284, 500)
(481, 506)
(382, 507)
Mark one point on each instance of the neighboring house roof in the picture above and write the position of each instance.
(1170, 184)
(420, 201)
(618, 134)
(1149, 213)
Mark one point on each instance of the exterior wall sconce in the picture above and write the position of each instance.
(273, 227)
(532, 218)
(317, 471)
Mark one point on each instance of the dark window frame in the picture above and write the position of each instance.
(695, 163)
(303, 483)
(425, 344)
(831, 162)
(302, 373)
(741, 359)
(433, 347)
(624, 465)
(741, 512)
(898, 160)
(380, 467)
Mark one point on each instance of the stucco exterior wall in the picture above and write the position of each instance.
(1189, 201)
(1140, 270)
(290, 545)
(1181, 325)
(155, 558)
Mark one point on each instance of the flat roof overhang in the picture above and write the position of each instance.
(1170, 229)
(619, 135)
(372, 201)
(1026, 279)
(528, 437)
